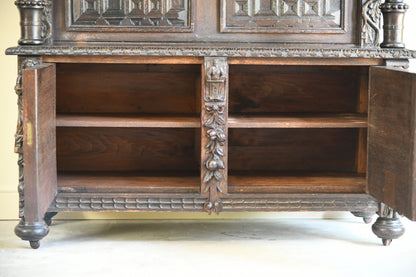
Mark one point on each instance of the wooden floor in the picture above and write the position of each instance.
(299, 244)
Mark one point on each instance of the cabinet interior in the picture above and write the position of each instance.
(136, 127)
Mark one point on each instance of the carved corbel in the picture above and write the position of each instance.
(214, 133)
(35, 21)
(393, 15)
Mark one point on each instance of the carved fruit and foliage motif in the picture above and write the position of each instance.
(371, 23)
(297, 16)
(135, 15)
(24, 63)
(214, 133)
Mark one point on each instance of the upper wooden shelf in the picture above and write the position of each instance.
(300, 121)
(159, 121)
(127, 121)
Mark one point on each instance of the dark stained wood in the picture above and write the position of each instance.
(126, 121)
(391, 139)
(126, 149)
(300, 121)
(39, 140)
(300, 183)
(293, 89)
(133, 60)
(160, 182)
(302, 61)
(281, 150)
(206, 19)
(144, 89)
(214, 131)
(362, 107)
(121, 88)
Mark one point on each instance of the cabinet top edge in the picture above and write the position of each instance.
(212, 51)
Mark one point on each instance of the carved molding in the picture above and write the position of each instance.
(371, 23)
(283, 16)
(109, 201)
(130, 15)
(195, 51)
(24, 62)
(214, 129)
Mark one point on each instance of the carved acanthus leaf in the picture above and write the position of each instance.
(214, 125)
(371, 23)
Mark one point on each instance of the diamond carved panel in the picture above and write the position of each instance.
(130, 15)
(283, 16)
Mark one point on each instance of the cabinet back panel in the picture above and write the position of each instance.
(289, 150)
(293, 89)
(128, 149)
(138, 89)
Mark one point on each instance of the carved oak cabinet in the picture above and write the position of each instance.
(206, 105)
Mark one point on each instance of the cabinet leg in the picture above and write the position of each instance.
(48, 218)
(388, 225)
(32, 231)
(367, 216)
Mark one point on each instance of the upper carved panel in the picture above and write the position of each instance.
(130, 15)
(283, 16)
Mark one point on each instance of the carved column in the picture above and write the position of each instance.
(393, 15)
(388, 226)
(34, 21)
(214, 115)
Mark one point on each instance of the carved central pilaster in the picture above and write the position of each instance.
(214, 133)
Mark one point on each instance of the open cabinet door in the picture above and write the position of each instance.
(391, 139)
(39, 142)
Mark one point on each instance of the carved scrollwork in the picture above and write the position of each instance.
(371, 23)
(18, 146)
(215, 112)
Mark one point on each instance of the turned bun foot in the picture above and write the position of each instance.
(387, 242)
(34, 244)
(367, 216)
(33, 232)
(368, 220)
(388, 229)
(48, 218)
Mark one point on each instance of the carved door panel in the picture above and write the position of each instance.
(392, 140)
(283, 16)
(130, 15)
(39, 145)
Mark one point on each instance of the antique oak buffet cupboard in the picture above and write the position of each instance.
(215, 105)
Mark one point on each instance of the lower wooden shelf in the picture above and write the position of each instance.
(137, 182)
(127, 182)
(303, 183)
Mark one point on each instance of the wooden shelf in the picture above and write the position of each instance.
(300, 121)
(127, 121)
(123, 182)
(304, 183)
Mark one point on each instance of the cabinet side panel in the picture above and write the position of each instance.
(391, 139)
(39, 140)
